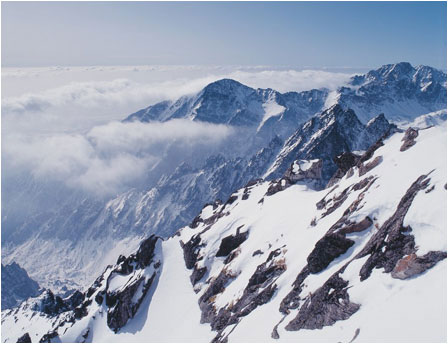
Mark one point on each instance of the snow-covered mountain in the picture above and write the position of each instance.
(64, 239)
(175, 200)
(16, 286)
(326, 136)
(361, 260)
(227, 101)
(400, 91)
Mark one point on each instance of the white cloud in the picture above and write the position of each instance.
(100, 94)
(109, 158)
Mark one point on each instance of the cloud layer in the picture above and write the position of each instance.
(109, 158)
(62, 123)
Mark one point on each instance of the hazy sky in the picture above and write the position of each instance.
(299, 34)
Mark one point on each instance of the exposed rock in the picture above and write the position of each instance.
(258, 291)
(191, 250)
(257, 252)
(123, 303)
(326, 250)
(145, 252)
(274, 333)
(357, 331)
(388, 245)
(412, 264)
(338, 200)
(125, 306)
(197, 274)
(357, 227)
(345, 162)
(231, 242)
(231, 200)
(296, 172)
(215, 287)
(364, 168)
(430, 189)
(292, 300)
(409, 139)
(48, 337)
(328, 304)
(81, 311)
(323, 202)
(25, 338)
(278, 185)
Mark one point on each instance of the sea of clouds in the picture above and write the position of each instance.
(63, 123)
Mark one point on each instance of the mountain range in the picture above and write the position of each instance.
(281, 261)
(300, 148)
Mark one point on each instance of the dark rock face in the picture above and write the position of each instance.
(16, 286)
(344, 161)
(357, 227)
(25, 338)
(198, 274)
(364, 168)
(295, 174)
(412, 264)
(231, 242)
(191, 251)
(259, 290)
(338, 200)
(409, 139)
(277, 186)
(330, 303)
(122, 307)
(122, 303)
(326, 250)
(206, 300)
(145, 252)
(390, 244)
(52, 305)
(292, 300)
(48, 337)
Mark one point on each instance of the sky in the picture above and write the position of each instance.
(299, 34)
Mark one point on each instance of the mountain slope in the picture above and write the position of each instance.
(327, 135)
(340, 264)
(16, 286)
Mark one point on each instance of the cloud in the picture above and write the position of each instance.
(109, 158)
(62, 123)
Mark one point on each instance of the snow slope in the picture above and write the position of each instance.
(363, 260)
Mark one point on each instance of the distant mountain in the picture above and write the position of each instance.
(229, 102)
(400, 91)
(16, 286)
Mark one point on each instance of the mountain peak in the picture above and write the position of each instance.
(225, 86)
